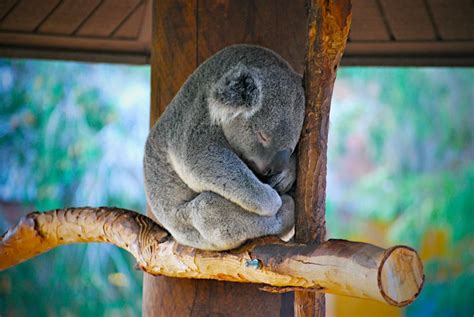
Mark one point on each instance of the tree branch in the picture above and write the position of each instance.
(394, 276)
(328, 29)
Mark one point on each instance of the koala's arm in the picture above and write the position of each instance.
(220, 170)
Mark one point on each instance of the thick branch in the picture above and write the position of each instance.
(342, 267)
(328, 28)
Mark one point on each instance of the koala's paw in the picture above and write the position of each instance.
(286, 217)
(269, 202)
(283, 181)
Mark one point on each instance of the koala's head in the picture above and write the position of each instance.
(261, 112)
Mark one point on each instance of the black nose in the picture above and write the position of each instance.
(280, 161)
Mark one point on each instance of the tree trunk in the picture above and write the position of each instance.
(328, 28)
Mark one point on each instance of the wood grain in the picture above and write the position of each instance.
(369, 21)
(131, 26)
(453, 20)
(173, 59)
(27, 15)
(6, 6)
(408, 19)
(107, 17)
(276, 24)
(173, 50)
(67, 17)
(445, 29)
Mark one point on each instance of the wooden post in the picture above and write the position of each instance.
(187, 32)
(328, 28)
(174, 56)
(173, 43)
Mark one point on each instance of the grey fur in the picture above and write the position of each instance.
(203, 160)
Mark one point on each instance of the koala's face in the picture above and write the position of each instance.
(261, 112)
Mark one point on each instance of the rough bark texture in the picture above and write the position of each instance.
(394, 276)
(328, 28)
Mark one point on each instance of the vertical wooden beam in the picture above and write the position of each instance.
(276, 24)
(175, 54)
(328, 28)
(174, 57)
(173, 50)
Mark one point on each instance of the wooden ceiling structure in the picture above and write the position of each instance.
(384, 32)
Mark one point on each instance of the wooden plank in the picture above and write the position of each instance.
(421, 49)
(277, 24)
(145, 31)
(68, 16)
(80, 56)
(432, 53)
(391, 53)
(27, 15)
(107, 17)
(131, 26)
(429, 53)
(411, 61)
(367, 22)
(454, 19)
(408, 19)
(71, 43)
(6, 6)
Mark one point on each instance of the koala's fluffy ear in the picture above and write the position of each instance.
(237, 92)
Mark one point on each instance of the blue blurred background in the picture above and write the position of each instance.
(400, 171)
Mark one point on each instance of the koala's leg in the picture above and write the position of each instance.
(223, 225)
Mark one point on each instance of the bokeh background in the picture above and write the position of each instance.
(400, 171)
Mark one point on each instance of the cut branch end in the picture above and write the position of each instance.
(400, 275)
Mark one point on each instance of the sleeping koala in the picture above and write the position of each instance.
(220, 156)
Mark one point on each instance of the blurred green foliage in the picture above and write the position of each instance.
(407, 134)
(401, 151)
(60, 126)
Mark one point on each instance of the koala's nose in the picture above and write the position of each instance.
(280, 161)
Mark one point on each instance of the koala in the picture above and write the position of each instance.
(220, 159)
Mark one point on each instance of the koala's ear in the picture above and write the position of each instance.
(237, 92)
